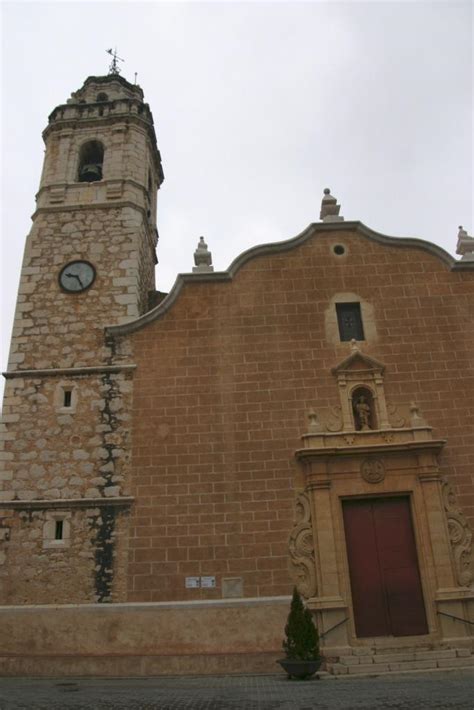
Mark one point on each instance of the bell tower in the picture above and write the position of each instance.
(90, 257)
(89, 262)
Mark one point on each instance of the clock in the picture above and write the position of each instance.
(77, 276)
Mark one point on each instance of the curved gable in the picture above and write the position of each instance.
(277, 248)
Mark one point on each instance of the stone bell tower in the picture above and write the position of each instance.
(90, 256)
(89, 262)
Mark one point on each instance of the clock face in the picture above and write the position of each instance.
(77, 276)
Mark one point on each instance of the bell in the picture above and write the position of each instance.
(91, 173)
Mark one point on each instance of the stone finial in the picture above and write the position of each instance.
(355, 348)
(416, 419)
(202, 258)
(465, 245)
(330, 208)
(314, 423)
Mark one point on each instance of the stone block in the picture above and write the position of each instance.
(369, 668)
(428, 655)
(350, 660)
(453, 662)
(412, 665)
(339, 669)
(393, 658)
(125, 298)
(112, 491)
(6, 496)
(363, 651)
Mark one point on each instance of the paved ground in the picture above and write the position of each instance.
(436, 691)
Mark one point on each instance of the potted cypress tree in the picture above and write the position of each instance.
(301, 643)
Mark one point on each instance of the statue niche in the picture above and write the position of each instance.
(361, 391)
(363, 409)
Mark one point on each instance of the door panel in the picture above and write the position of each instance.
(371, 618)
(383, 566)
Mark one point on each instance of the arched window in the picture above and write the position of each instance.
(91, 159)
(102, 96)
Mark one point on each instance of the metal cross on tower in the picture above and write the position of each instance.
(114, 67)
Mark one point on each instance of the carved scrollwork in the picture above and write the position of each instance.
(301, 547)
(460, 536)
(395, 418)
(334, 422)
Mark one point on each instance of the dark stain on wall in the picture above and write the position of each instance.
(103, 526)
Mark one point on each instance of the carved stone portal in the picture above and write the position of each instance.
(301, 546)
(367, 449)
(460, 536)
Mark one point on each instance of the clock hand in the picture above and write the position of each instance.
(75, 276)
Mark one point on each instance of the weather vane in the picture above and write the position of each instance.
(114, 67)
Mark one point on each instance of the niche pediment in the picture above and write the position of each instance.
(358, 362)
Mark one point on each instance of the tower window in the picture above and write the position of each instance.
(58, 530)
(65, 398)
(349, 320)
(91, 159)
(102, 96)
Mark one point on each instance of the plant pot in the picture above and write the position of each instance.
(300, 669)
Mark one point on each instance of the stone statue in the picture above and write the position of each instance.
(362, 412)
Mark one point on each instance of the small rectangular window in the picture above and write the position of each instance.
(58, 530)
(67, 398)
(349, 320)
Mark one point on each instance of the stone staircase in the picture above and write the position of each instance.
(372, 661)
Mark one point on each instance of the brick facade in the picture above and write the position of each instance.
(225, 378)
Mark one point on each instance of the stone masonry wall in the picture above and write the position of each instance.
(52, 453)
(90, 566)
(58, 452)
(57, 329)
(225, 379)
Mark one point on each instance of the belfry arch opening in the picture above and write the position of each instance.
(91, 159)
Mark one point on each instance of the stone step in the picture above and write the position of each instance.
(413, 661)
(397, 667)
(413, 655)
(373, 673)
(365, 651)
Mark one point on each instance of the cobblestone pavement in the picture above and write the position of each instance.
(436, 691)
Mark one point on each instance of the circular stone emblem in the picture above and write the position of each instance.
(372, 470)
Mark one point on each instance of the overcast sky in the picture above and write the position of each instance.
(258, 107)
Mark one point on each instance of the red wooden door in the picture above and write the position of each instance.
(383, 566)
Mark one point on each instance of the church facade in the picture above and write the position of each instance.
(174, 465)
